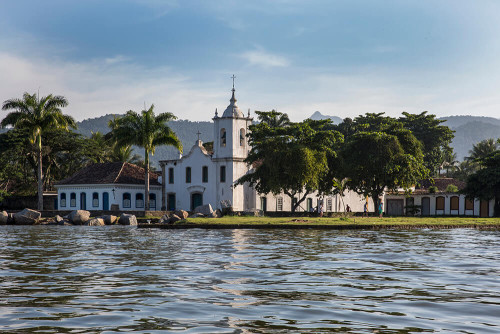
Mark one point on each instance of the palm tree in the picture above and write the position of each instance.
(482, 149)
(273, 118)
(37, 115)
(145, 130)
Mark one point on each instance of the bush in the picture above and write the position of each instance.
(451, 188)
(433, 189)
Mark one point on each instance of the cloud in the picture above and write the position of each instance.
(107, 86)
(264, 59)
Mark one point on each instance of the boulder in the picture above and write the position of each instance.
(206, 209)
(27, 217)
(95, 222)
(126, 219)
(110, 219)
(4, 217)
(10, 219)
(174, 219)
(197, 215)
(181, 213)
(58, 219)
(217, 213)
(164, 219)
(79, 217)
(64, 222)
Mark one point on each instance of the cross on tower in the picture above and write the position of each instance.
(198, 133)
(233, 77)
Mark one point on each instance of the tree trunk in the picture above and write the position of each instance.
(40, 173)
(146, 179)
(375, 204)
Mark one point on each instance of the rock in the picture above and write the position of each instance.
(58, 219)
(64, 222)
(27, 217)
(217, 213)
(126, 219)
(10, 219)
(181, 213)
(174, 219)
(95, 222)
(204, 209)
(4, 217)
(79, 217)
(197, 215)
(164, 219)
(110, 219)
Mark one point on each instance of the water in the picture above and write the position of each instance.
(119, 279)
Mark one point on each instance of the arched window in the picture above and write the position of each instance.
(204, 174)
(152, 202)
(440, 203)
(454, 203)
(63, 200)
(72, 199)
(139, 200)
(126, 200)
(223, 137)
(95, 200)
(469, 204)
(188, 174)
(242, 137)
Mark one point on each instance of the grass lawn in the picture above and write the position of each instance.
(405, 221)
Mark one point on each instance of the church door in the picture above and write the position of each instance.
(196, 200)
(263, 204)
(484, 209)
(83, 201)
(105, 201)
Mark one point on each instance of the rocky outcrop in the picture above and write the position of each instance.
(205, 210)
(95, 222)
(174, 219)
(27, 217)
(182, 214)
(79, 217)
(126, 219)
(110, 219)
(4, 217)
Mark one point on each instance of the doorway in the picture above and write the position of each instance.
(83, 201)
(263, 204)
(196, 200)
(484, 209)
(105, 201)
(426, 206)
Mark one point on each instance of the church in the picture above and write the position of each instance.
(201, 177)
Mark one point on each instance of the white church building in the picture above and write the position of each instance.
(200, 177)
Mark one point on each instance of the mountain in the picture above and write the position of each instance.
(317, 116)
(470, 130)
(185, 130)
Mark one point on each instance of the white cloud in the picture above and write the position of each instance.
(264, 59)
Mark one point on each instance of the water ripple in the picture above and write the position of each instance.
(119, 279)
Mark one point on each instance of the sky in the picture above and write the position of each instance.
(339, 57)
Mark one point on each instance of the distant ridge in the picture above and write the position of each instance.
(317, 116)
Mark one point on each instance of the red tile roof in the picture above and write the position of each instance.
(441, 184)
(111, 173)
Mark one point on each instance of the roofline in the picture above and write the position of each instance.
(104, 185)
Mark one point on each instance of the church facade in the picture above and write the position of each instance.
(201, 177)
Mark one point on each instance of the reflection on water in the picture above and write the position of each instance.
(119, 279)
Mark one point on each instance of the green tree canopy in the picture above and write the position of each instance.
(37, 115)
(289, 158)
(485, 183)
(145, 130)
(435, 138)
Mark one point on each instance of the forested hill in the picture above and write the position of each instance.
(469, 130)
(185, 130)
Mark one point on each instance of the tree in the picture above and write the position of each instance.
(482, 149)
(379, 153)
(485, 183)
(37, 116)
(436, 138)
(289, 158)
(145, 130)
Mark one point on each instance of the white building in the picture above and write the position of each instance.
(108, 186)
(202, 177)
